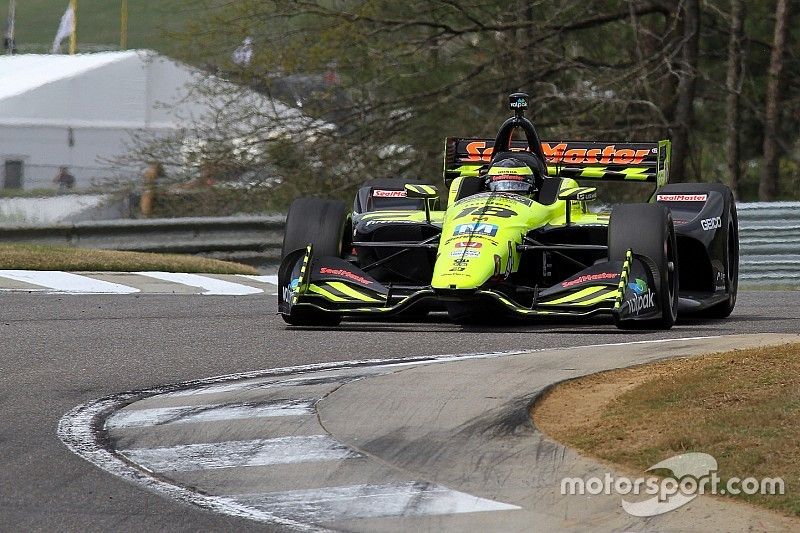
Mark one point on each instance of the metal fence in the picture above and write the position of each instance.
(769, 242)
(207, 235)
(769, 238)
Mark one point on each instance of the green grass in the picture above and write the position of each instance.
(99, 23)
(39, 257)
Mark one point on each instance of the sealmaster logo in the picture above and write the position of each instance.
(682, 197)
(603, 276)
(388, 194)
(562, 153)
(468, 244)
(345, 274)
(643, 297)
(477, 228)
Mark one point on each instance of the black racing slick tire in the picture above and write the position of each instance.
(725, 308)
(647, 229)
(325, 224)
(730, 248)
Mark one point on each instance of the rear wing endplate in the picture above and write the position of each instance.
(580, 160)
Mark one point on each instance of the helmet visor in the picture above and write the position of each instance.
(510, 185)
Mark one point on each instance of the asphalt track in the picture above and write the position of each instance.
(59, 351)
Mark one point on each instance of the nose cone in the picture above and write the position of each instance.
(466, 264)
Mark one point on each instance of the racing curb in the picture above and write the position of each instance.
(468, 427)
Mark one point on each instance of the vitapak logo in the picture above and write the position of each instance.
(643, 298)
(476, 228)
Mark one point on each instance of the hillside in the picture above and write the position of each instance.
(99, 23)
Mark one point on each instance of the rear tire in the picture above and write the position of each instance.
(724, 309)
(647, 229)
(322, 223)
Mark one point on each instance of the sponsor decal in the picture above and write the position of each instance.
(711, 223)
(468, 244)
(290, 289)
(508, 177)
(465, 253)
(474, 236)
(373, 222)
(345, 274)
(476, 228)
(602, 276)
(609, 154)
(378, 193)
(682, 197)
(643, 298)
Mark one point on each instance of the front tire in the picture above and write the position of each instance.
(647, 229)
(325, 224)
(319, 222)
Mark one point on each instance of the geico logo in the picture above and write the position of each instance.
(711, 223)
(637, 303)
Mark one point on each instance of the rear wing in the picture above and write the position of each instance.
(580, 160)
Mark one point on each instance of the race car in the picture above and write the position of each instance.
(499, 255)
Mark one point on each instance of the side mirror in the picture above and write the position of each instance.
(425, 192)
(576, 194)
(414, 190)
(579, 194)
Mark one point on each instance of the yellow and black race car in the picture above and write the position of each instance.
(517, 240)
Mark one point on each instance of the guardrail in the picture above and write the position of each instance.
(262, 234)
(769, 238)
(769, 243)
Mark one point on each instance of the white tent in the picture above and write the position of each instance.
(80, 111)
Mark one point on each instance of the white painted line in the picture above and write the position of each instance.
(403, 499)
(161, 416)
(241, 453)
(272, 280)
(210, 286)
(253, 385)
(64, 282)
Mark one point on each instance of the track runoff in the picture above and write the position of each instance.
(60, 351)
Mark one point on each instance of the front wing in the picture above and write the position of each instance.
(330, 285)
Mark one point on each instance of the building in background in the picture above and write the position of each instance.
(80, 111)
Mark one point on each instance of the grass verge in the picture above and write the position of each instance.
(39, 257)
(741, 407)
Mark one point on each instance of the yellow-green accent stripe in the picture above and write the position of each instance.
(349, 291)
(588, 291)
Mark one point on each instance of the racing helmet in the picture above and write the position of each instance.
(510, 175)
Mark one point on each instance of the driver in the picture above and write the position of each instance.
(511, 175)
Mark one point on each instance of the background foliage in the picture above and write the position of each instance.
(390, 80)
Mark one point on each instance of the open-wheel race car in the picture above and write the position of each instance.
(517, 239)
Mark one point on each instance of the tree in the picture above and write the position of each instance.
(733, 84)
(769, 187)
(686, 67)
(407, 74)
